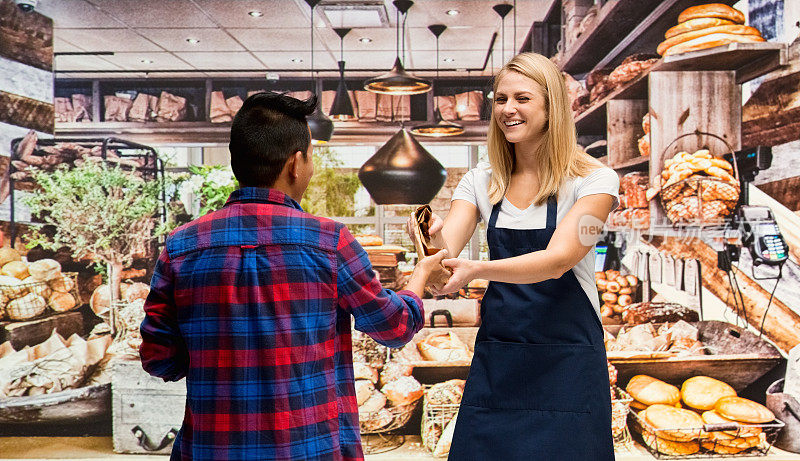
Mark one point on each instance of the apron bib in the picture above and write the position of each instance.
(538, 384)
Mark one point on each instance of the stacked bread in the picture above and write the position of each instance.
(439, 418)
(616, 291)
(680, 338)
(706, 26)
(680, 422)
(28, 289)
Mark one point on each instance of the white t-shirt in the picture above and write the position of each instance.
(474, 188)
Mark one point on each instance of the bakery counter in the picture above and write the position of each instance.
(97, 448)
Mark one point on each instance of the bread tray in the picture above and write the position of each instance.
(710, 441)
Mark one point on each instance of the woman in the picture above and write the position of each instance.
(538, 385)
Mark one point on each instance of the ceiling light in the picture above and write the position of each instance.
(452, 12)
(365, 40)
(193, 41)
(147, 61)
(448, 59)
(256, 14)
(397, 81)
(342, 107)
(297, 59)
(319, 124)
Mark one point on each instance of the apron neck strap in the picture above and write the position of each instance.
(552, 212)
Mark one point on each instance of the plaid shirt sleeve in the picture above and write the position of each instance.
(163, 350)
(390, 318)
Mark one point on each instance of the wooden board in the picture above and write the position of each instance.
(624, 129)
(26, 37)
(26, 112)
(72, 406)
(33, 332)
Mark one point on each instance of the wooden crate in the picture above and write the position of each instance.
(33, 332)
(147, 412)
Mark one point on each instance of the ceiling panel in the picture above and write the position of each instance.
(63, 63)
(175, 39)
(275, 39)
(133, 61)
(76, 14)
(107, 39)
(169, 13)
(221, 60)
(61, 46)
(283, 60)
(276, 13)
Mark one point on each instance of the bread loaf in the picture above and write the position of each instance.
(651, 391)
(61, 302)
(702, 392)
(677, 424)
(670, 447)
(16, 269)
(373, 404)
(712, 417)
(403, 391)
(736, 29)
(63, 284)
(364, 389)
(44, 269)
(363, 371)
(712, 10)
(368, 240)
(696, 24)
(711, 41)
(743, 410)
(9, 254)
(38, 287)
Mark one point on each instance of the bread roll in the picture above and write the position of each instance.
(625, 291)
(368, 240)
(651, 391)
(602, 284)
(702, 392)
(403, 391)
(632, 280)
(670, 447)
(38, 287)
(712, 417)
(62, 284)
(376, 421)
(26, 307)
(364, 389)
(711, 41)
(363, 371)
(624, 300)
(743, 410)
(373, 404)
(44, 269)
(696, 24)
(716, 447)
(61, 302)
(730, 29)
(16, 269)
(394, 370)
(676, 424)
(599, 275)
(9, 254)
(11, 287)
(712, 10)
(612, 287)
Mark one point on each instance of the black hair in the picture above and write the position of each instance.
(266, 131)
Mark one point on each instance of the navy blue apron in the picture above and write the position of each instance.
(538, 385)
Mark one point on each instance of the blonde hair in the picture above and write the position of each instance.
(559, 157)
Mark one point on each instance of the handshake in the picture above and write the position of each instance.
(423, 227)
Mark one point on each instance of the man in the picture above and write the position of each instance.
(252, 304)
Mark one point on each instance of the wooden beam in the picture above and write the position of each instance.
(782, 324)
(26, 37)
(26, 112)
(786, 191)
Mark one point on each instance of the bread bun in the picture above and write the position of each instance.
(676, 424)
(712, 417)
(364, 389)
(696, 24)
(607, 310)
(45, 269)
(624, 300)
(609, 298)
(743, 410)
(632, 280)
(62, 284)
(712, 10)
(376, 421)
(394, 370)
(729, 29)
(16, 269)
(7, 255)
(373, 404)
(61, 302)
(363, 371)
(403, 391)
(12, 287)
(623, 281)
(600, 275)
(637, 405)
(711, 41)
(651, 391)
(625, 291)
(702, 392)
(26, 307)
(38, 287)
(716, 447)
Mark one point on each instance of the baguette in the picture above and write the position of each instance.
(712, 10)
(685, 37)
(711, 41)
(696, 24)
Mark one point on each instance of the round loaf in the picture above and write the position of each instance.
(37, 287)
(696, 24)
(702, 392)
(743, 410)
(45, 269)
(716, 447)
(9, 254)
(403, 391)
(712, 417)
(685, 37)
(134, 291)
(61, 302)
(712, 10)
(363, 371)
(373, 404)
(669, 447)
(63, 284)
(364, 389)
(711, 41)
(376, 421)
(16, 269)
(676, 423)
(650, 391)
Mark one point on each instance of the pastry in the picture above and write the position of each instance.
(363, 371)
(712, 10)
(368, 240)
(403, 391)
(444, 347)
(712, 417)
(696, 24)
(711, 41)
(702, 392)
(651, 391)
(677, 424)
(685, 37)
(743, 410)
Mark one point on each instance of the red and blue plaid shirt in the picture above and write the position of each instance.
(252, 304)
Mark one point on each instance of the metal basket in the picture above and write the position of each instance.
(710, 441)
(370, 423)
(30, 300)
(435, 418)
(620, 406)
(700, 200)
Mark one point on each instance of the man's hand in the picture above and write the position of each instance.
(423, 269)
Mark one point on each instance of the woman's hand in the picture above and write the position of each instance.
(464, 271)
(434, 226)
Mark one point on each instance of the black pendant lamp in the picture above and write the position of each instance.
(402, 172)
(502, 10)
(440, 127)
(398, 82)
(320, 125)
(342, 107)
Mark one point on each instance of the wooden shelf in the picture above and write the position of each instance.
(593, 119)
(748, 60)
(219, 133)
(639, 163)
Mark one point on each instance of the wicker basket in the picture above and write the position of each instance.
(712, 441)
(26, 301)
(435, 418)
(700, 200)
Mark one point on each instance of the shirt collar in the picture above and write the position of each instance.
(263, 195)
